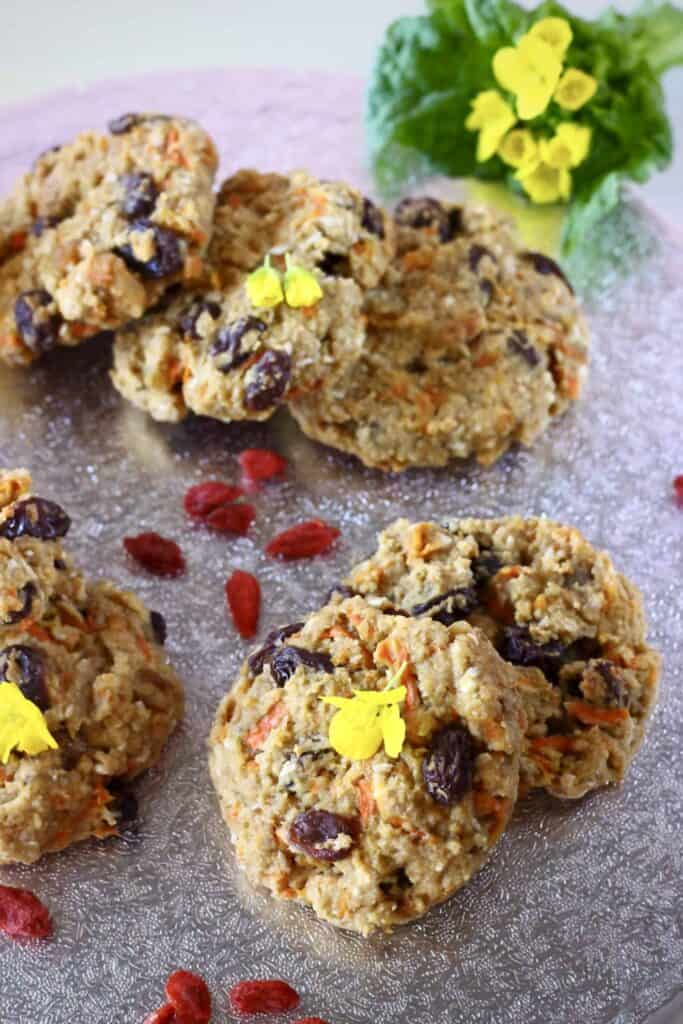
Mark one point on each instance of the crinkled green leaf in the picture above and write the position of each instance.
(589, 207)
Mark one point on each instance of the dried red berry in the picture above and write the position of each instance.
(234, 518)
(164, 1015)
(261, 464)
(263, 997)
(303, 540)
(310, 1020)
(157, 554)
(22, 915)
(202, 499)
(678, 490)
(243, 594)
(190, 997)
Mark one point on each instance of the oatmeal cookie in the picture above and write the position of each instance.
(373, 843)
(89, 656)
(553, 606)
(99, 228)
(472, 345)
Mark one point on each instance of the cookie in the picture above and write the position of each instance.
(99, 228)
(553, 606)
(472, 345)
(368, 844)
(212, 352)
(89, 657)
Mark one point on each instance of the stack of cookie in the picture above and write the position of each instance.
(515, 656)
(432, 334)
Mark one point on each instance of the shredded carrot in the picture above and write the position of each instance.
(37, 631)
(418, 259)
(366, 802)
(563, 743)
(412, 694)
(17, 241)
(589, 714)
(390, 651)
(257, 736)
(486, 359)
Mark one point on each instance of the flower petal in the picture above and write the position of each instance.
(545, 184)
(355, 732)
(509, 69)
(302, 288)
(574, 89)
(22, 724)
(519, 148)
(556, 32)
(393, 730)
(264, 287)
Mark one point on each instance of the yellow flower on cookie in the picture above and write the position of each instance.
(301, 287)
(264, 287)
(530, 70)
(574, 89)
(368, 719)
(22, 725)
(492, 116)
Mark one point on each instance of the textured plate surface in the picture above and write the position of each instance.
(577, 917)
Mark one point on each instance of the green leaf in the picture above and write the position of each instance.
(653, 35)
(588, 208)
(494, 22)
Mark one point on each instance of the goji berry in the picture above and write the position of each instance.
(263, 997)
(243, 594)
(202, 499)
(303, 540)
(261, 464)
(22, 915)
(678, 490)
(157, 554)
(164, 1015)
(310, 1020)
(234, 518)
(189, 996)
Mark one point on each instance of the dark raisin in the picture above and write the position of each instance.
(613, 684)
(269, 381)
(167, 258)
(484, 566)
(449, 607)
(476, 254)
(518, 647)
(486, 287)
(452, 225)
(422, 212)
(24, 666)
(124, 123)
(372, 219)
(544, 265)
(158, 625)
(28, 592)
(417, 365)
(139, 195)
(124, 804)
(340, 589)
(315, 832)
(187, 322)
(447, 766)
(285, 661)
(334, 264)
(60, 564)
(519, 344)
(229, 342)
(36, 517)
(396, 882)
(41, 224)
(258, 659)
(37, 320)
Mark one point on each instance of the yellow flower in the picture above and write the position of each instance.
(264, 287)
(556, 32)
(530, 70)
(518, 148)
(568, 147)
(368, 719)
(22, 725)
(492, 117)
(545, 184)
(574, 89)
(301, 286)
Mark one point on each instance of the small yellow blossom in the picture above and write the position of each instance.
(568, 147)
(518, 148)
(574, 89)
(22, 724)
(368, 719)
(556, 32)
(545, 184)
(301, 286)
(492, 116)
(264, 287)
(530, 70)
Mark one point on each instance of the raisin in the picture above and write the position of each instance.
(396, 882)
(187, 322)
(485, 566)
(157, 554)
(189, 995)
(36, 517)
(258, 659)
(37, 320)
(140, 195)
(25, 667)
(124, 803)
(450, 607)
(22, 915)
(334, 264)
(518, 648)
(285, 660)
(310, 1020)
(122, 124)
(519, 344)
(544, 265)
(372, 219)
(342, 590)
(476, 254)
(158, 625)
(27, 592)
(304, 540)
(613, 684)
(269, 380)
(243, 595)
(447, 766)
(453, 226)
(261, 464)
(234, 518)
(263, 997)
(315, 833)
(167, 258)
(421, 212)
(229, 342)
(202, 499)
